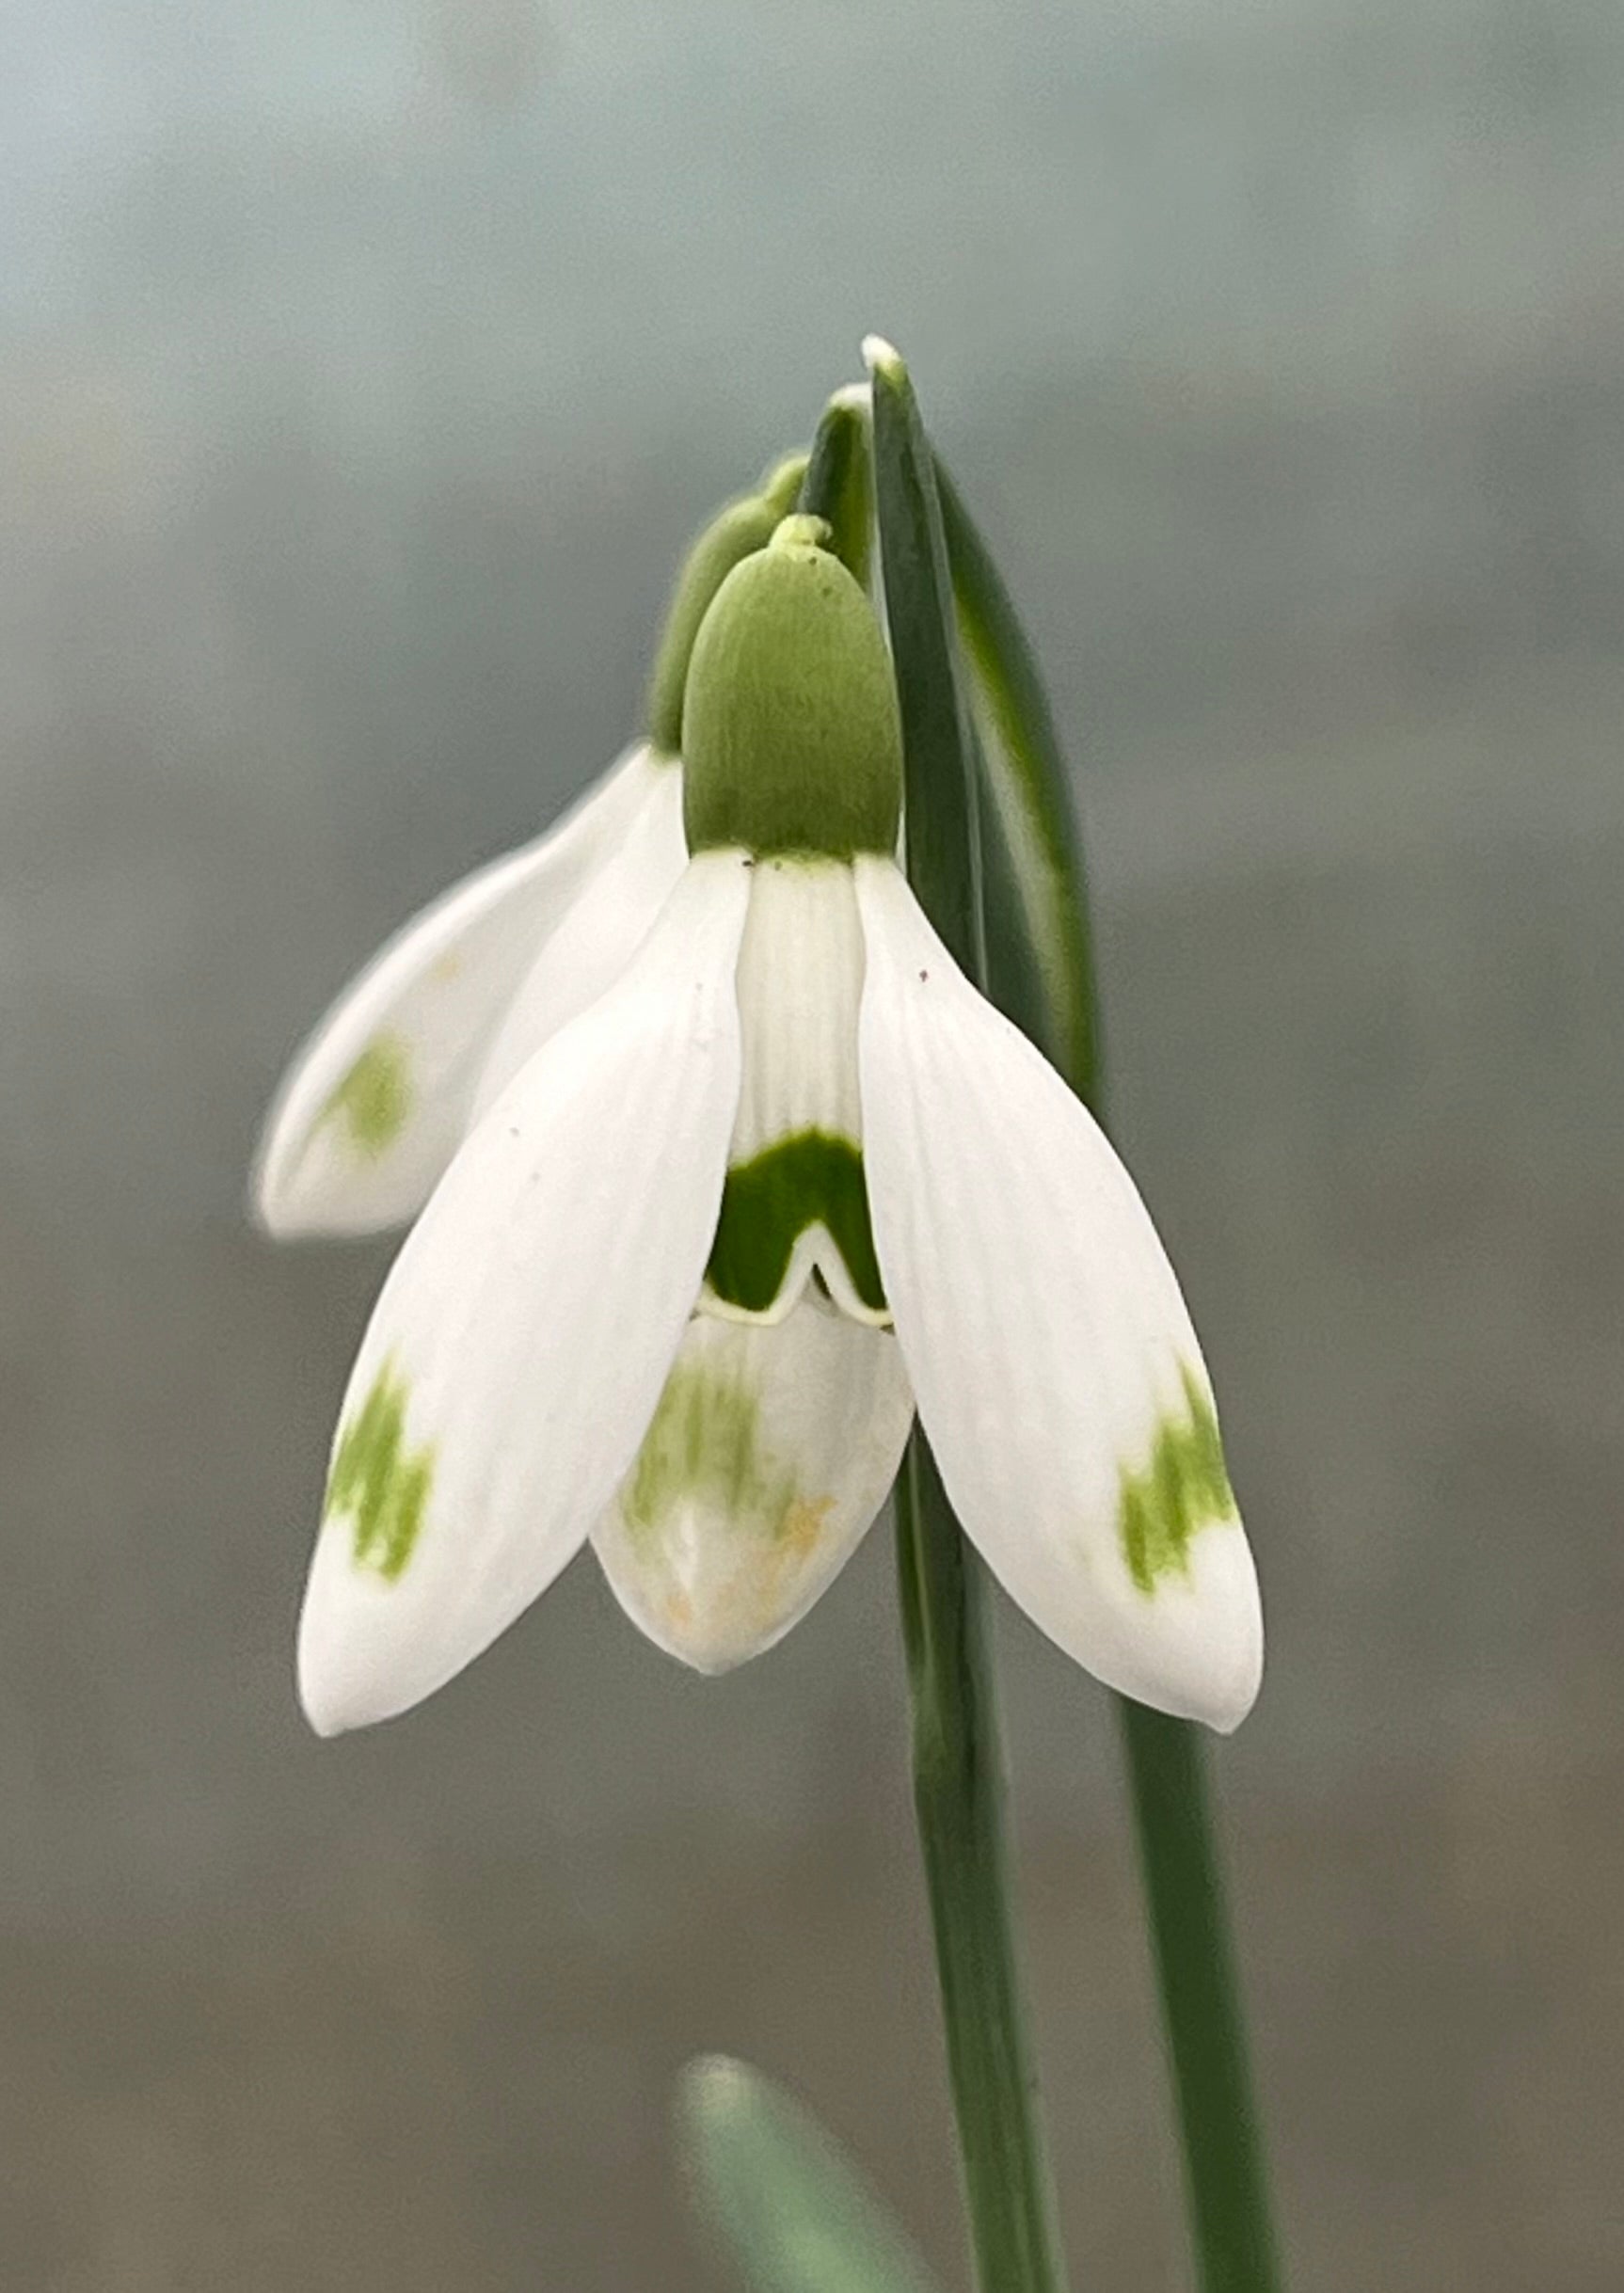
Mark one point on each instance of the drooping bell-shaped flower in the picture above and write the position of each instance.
(380, 1096)
(679, 1289)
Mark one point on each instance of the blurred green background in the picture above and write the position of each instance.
(363, 367)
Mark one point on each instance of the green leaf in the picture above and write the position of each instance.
(839, 485)
(940, 805)
(783, 2199)
(1030, 812)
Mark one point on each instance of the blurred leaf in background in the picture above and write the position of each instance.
(782, 2197)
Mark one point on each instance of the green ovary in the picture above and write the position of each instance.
(791, 741)
(1185, 1487)
(705, 1447)
(768, 1204)
(381, 1484)
(374, 1098)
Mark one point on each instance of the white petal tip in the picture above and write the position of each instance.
(278, 1215)
(771, 1453)
(880, 356)
(340, 1690)
(322, 1723)
(711, 1659)
(1233, 1697)
(359, 1660)
(333, 1700)
(1198, 1653)
(299, 1203)
(858, 397)
(705, 1615)
(327, 1712)
(1226, 1703)
(266, 1217)
(272, 1204)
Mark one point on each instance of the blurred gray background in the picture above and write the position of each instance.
(363, 366)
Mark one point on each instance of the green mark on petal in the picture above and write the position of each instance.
(1185, 1487)
(374, 1098)
(375, 1479)
(705, 1446)
(769, 1202)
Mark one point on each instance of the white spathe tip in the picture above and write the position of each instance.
(857, 396)
(879, 356)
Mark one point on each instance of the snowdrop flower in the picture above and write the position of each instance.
(379, 1098)
(680, 1288)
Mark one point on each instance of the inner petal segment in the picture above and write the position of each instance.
(796, 1201)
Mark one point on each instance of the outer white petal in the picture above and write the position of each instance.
(1043, 1329)
(771, 1451)
(522, 1340)
(377, 1101)
(598, 936)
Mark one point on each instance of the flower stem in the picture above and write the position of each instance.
(1224, 2168)
(1027, 793)
(957, 1751)
(958, 1802)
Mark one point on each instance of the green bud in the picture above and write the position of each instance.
(744, 526)
(790, 736)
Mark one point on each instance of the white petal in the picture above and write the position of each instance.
(598, 937)
(522, 1340)
(799, 977)
(1053, 1359)
(796, 1150)
(770, 1454)
(376, 1103)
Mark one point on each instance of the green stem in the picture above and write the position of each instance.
(958, 1755)
(1224, 2165)
(959, 1801)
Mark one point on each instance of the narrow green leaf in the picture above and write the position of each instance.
(1029, 805)
(789, 2205)
(839, 483)
(941, 824)
(1015, 980)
